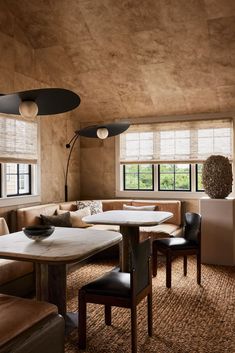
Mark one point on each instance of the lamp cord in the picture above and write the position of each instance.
(74, 139)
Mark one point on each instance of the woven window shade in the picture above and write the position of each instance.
(18, 141)
(176, 142)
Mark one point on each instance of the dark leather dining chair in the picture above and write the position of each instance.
(120, 289)
(189, 244)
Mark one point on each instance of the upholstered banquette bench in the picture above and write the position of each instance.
(31, 215)
(28, 326)
(16, 277)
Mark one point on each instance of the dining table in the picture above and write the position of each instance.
(130, 223)
(51, 256)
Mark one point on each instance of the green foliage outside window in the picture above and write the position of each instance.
(199, 186)
(138, 177)
(171, 177)
(174, 177)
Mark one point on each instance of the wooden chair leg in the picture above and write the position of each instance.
(107, 315)
(150, 315)
(133, 329)
(154, 260)
(185, 265)
(82, 320)
(168, 269)
(198, 268)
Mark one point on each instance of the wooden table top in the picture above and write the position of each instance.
(65, 245)
(129, 218)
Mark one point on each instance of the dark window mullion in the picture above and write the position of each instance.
(18, 179)
(174, 177)
(138, 176)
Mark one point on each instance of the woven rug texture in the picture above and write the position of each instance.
(186, 318)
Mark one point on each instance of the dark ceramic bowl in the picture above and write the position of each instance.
(38, 232)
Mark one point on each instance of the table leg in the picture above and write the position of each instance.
(130, 237)
(51, 287)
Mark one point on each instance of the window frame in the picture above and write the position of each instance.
(194, 194)
(18, 180)
(138, 175)
(196, 179)
(174, 190)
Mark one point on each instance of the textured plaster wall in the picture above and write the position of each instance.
(126, 59)
(21, 69)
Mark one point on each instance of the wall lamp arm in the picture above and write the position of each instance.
(71, 146)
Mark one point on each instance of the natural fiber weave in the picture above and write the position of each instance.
(187, 318)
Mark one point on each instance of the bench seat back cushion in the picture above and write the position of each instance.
(173, 206)
(29, 216)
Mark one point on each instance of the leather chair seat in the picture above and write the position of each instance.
(114, 283)
(176, 243)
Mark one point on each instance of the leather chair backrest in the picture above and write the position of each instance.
(140, 263)
(192, 227)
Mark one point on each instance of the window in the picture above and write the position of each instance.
(18, 179)
(199, 185)
(18, 156)
(138, 177)
(169, 156)
(174, 177)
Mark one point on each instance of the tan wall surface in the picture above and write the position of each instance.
(126, 60)
(19, 71)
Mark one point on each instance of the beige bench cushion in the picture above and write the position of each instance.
(106, 227)
(18, 315)
(160, 231)
(11, 269)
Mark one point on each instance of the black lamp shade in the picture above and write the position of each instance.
(49, 101)
(113, 129)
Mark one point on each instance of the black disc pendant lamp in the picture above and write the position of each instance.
(44, 101)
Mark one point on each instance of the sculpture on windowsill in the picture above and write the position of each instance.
(217, 177)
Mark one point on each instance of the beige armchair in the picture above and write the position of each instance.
(3, 226)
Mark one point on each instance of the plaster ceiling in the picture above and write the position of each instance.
(132, 58)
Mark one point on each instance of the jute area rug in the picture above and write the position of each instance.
(187, 318)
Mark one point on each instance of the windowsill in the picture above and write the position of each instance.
(177, 195)
(19, 200)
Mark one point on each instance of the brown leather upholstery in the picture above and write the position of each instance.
(68, 206)
(113, 283)
(173, 206)
(10, 270)
(18, 315)
(109, 205)
(120, 289)
(47, 336)
(29, 216)
(189, 244)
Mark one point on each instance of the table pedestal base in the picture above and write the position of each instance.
(51, 285)
(130, 238)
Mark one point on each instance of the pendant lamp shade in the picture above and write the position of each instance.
(48, 101)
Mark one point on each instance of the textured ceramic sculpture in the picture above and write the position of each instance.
(217, 177)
